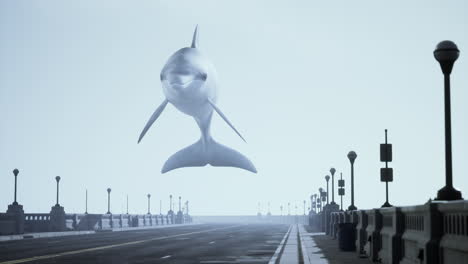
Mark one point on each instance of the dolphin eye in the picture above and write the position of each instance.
(203, 76)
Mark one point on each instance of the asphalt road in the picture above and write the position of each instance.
(213, 243)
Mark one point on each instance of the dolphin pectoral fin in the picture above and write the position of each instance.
(153, 118)
(225, 118)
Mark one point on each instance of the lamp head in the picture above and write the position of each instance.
(332, 171)
(109, 190)
(327, 178)
(352, 156)
(446, 53)
(57, 178)
(15, 172)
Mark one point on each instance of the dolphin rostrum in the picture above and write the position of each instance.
(189, 83)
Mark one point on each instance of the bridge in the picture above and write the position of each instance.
(434, 232)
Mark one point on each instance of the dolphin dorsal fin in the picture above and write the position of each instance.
(195, 38)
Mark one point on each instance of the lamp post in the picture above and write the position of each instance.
(320, 194)
(15, 172)
(304, 207)
(341, 190)
(180, 204)
(386, 174)
(160, 207)
(86, 202)
(170, 203)
(332, 171)
(352, 157)
(289, 208)
(281, 210)
(312, 202)
(57, 179)
(327, 178)
(127, 203)
(446, 53)
(108, 200)
(149, 203)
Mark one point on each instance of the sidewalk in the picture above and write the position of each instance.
(323, 249)
(76, 233)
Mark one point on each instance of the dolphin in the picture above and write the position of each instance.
(189, 83)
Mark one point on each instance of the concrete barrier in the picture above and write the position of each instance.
(361, 233)
(390, 235)
(454, 242)
(36, 223)
(7, 224)
(105, 222)
(422, 234)
(374, 225)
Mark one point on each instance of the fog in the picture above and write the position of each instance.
(304, 82)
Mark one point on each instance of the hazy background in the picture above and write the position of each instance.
(303, 81)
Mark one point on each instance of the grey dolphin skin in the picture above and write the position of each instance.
(189, 83)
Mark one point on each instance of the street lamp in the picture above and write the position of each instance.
(170, 203)
(446, 53)
(57, 179)
(289, 208)
(312, 202)
(149, 202)
(352, 157)
(327, 178)
(180, 203)
(332, 171)
(304, 207)
(108, 200)
(15, 172)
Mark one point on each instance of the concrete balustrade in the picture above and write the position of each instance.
(454, 242)
(361, 231)
(36, 223)
(374, 225)
(390, 235)
(105, 222)
(8, 224)
(433, 233)
(422, 230)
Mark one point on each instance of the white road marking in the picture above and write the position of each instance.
(165, 257)
(212, 242)
(278, 250)
(74, 252)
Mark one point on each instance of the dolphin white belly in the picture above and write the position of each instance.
(190, 84)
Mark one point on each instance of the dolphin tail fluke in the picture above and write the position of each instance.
(223, 156)
(209, 152)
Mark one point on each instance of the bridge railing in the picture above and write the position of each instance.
(436, 232)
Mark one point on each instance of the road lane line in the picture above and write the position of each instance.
(212, 242)
(275, 257)
(165, 257)
(74, 252)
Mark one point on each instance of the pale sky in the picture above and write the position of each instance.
(303, 81)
